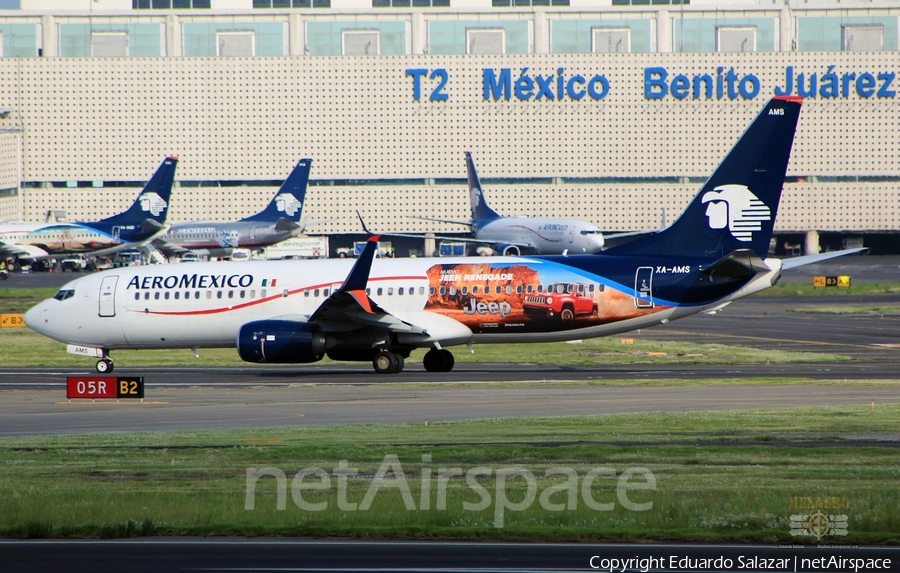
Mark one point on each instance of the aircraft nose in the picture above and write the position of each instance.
(38, 319)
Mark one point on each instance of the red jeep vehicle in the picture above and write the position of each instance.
(566, 300)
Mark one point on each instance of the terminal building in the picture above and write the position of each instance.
(611, 111)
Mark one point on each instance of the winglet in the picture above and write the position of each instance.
(359, 274)
(363, 223)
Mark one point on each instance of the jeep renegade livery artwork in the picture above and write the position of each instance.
(529, 297)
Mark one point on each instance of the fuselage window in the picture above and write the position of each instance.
(475, 289)
(431, 290)
(243, 294)
(452, 291)
(508, 289)
(306, 293)
(518, 289)
(380, 291)
(443, 290)
(540, 288)
(580, 289)
(464, 291)
(262, 293)
(137, 296)
(591, 287)
(325, 292)
(218, 294)
(147, 295)
(529, 289)
(316, 293)
(156, 295)
(390, 291)
(400, 290)
(252, 294)
(498, 289)
(422, 290)
(166, 295)
(209, 294)
(177, 295)
(231, 294)
(197, 294)
(368, 291)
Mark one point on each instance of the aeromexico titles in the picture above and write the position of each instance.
(380, 310)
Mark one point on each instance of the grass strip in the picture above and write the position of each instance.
(729, 475)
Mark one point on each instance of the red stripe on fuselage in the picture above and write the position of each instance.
(267, 299)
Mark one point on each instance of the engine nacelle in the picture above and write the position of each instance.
(509, 250)
(280, 341)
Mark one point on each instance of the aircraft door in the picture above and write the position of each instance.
(116, 231)
(571, 235)
(643, 287)
(108, 295)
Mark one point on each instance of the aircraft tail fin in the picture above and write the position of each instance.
(480, 209)
(153, 201)
(288, 201)
(736, 208)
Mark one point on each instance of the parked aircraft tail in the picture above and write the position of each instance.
(480, 209)
(288, 201)
(152, 204)
(736, 208)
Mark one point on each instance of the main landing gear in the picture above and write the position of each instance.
(438, 360)
(387, 362)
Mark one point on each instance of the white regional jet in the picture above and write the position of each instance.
(382, 309)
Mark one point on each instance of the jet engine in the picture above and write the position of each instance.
(280, 341)
(509, 250)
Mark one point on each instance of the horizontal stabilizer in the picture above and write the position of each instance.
(810, 259)
(742, 263)
(284, 224)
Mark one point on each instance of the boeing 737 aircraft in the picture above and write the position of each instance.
(141, 223)
(382, 309)
(517, 235)
(280, 220)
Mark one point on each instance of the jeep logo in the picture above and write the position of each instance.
(501, 308)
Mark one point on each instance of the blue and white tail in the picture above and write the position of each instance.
(153, 201)
(480, 209)
(736, 208)
(288, 201)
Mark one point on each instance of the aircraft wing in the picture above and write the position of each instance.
(350, 308)
(169, 249)
(466, 223)
(445, 238)
(29, 252)
(810, 259)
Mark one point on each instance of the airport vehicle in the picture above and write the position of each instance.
(518, 235)
(382, 309)
(142, 222)
(277, 222)
(74, 263)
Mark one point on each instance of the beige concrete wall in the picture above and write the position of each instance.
(246, 119)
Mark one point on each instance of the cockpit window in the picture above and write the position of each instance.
(64, 294)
